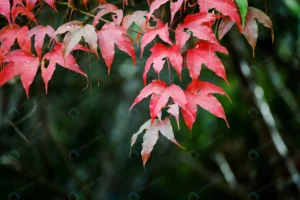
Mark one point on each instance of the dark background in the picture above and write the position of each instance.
(74, 142)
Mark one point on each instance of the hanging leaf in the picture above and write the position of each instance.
(226, 7)
(23, 63)
(199, 93)
(88, 32)
(200, 25)
(250, 30)
(111, 35)
(56, 57)
(5, 9)
(137, 17)
(204, 53)
(40, 32)
(159, 52)
(9, 34)
(151, 136)
(174, 110)
(160, 95)
(225, 25)
(20, 10)
(108, 8)
(160, 30)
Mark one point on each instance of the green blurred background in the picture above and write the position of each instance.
(74, 142)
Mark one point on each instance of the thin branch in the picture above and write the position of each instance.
(18, 130)
(170, 74)
(32, 111)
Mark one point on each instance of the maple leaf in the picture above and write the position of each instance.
(160, 29)
(250, 30)
(174, 110)
(155, 5)
(23, 11)
(108, 8)
(111, 35)
(200, 25)
(23, 63)
(18, 2)
(9, 34)
(180, 36)
(5, 9)
(200, 93)
(160, 95)
(40, 32)
(204, 53)
(88, 32)
(159, 52)
(151, 136)
(30, 4)
(137, 17)
(76, 30)
(68, 27)
(174, 7)
(51, 3)
(225, 25)
(56, 57)
(226, 7)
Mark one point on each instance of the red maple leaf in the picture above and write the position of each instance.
(17, 2)
(160, 95)
(23, 63)
(56, 57)
(160, 29)
(174, 7)
(181, 37)
(226, 7)
(200, 25)
(30, 4)
(51, 3)
(23, 11)
(204, 53)
(40, 32)
(5, 9)
(111, 35)
(155, 5)
(173, 54)
(9, 34)
(159, 52)
(199, 93)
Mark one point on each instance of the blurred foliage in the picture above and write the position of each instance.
(78, 135)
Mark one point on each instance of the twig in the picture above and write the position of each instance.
(170, 74)
(28, 115)
(18, 130)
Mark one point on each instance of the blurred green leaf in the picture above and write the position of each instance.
(243, 7)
